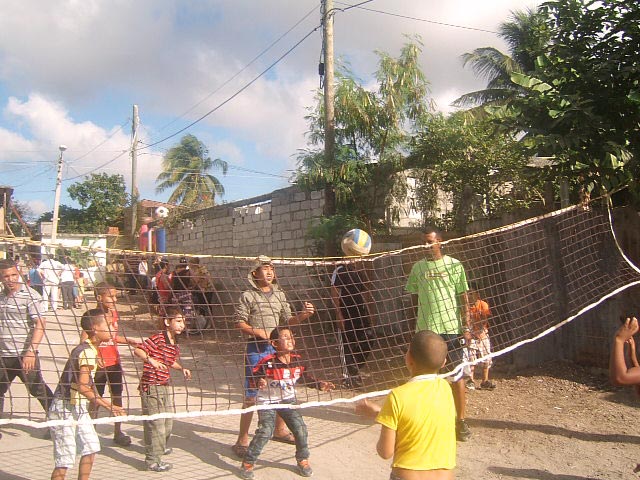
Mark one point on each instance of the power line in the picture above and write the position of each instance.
(251, 62)
(238, 92)
(408, 17)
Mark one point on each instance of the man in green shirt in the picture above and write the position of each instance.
(440, 282)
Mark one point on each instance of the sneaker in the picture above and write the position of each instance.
(352, 382)
(463, 433)
(122, 440)
(246, 470)
(167, 451)
(304, 468)
(159, 467)
(471, 385)
(488, 385)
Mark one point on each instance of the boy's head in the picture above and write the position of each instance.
(262, 274)
(106, 296)
(427, 353)
(95, 325)
(282, 340)
(174, 320)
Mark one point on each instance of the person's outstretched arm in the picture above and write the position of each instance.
(619, 373)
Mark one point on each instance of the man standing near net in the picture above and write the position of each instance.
(440, 282)
(21, 331)
(261, 309)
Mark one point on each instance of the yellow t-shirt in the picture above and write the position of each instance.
(423, 415)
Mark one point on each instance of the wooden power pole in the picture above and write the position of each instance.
(329, 109)
(134, 167)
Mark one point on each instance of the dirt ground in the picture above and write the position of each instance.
(558, 421)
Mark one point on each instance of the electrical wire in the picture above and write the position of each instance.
(238, 92)
(233, 77)
(408, 17)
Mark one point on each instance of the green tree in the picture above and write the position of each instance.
(373, 128)
(482, 174)
(582, 101)
(185, 168)
(526, 35)
(102, 198)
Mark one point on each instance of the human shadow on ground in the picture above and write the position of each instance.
(535, 473)
(554, 430)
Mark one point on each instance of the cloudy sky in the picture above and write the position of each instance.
(71, 70)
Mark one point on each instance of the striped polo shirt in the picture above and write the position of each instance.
(18, 315)
(159, 348)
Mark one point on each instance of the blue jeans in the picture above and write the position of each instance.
(266, 424)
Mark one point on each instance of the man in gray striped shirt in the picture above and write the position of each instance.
(21, 331)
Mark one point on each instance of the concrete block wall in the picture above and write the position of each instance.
(274, 224)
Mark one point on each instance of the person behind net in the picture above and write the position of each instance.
(441, 285)
(620, 372)
(260, 309)
(110, 368)
(419, 435)
(72, 397)
(276, 376)
(480, 344)
(22, 328)
(353, 301)
(160, 352)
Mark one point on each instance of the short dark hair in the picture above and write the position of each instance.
(102, 287)
(428, 350)
(172, 311)
(430, 229)
(91, 318)
(7, 263)
(275, 333)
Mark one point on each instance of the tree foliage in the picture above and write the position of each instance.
(482, 173)
(185, 168)
(582, 101)
(372, 130)
(102, 197)
(526, 34)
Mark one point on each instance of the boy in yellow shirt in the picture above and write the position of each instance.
(419, 418)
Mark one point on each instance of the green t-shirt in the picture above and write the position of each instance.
(438, 284)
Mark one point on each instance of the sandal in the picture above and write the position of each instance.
(289, 439)
(122, 439)
(240, 450)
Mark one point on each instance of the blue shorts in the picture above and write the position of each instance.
(256, 351)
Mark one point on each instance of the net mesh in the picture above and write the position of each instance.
(535, 276)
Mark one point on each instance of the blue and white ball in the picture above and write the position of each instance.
(356, 242)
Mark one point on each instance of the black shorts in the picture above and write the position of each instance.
(113, 375)
(454, 351)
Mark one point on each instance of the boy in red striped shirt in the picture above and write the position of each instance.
(160, 352)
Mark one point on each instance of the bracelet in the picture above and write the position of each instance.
(32, 350)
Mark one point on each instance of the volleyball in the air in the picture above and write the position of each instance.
(356, 242)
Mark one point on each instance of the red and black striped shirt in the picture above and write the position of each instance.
(160, 348)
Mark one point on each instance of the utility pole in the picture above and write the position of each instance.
(134, 167)
(56, 201)
(330, 121)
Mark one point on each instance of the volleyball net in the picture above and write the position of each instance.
(535, 276)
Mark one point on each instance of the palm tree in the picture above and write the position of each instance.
(186, 168)
(526, 34)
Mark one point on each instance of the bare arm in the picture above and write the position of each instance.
(29, 357)
(386, 442)
(335, 298)
(85, 389)
(619, 374)
(247, 329)
(307, 311)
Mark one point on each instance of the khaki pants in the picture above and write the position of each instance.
(157, 399)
